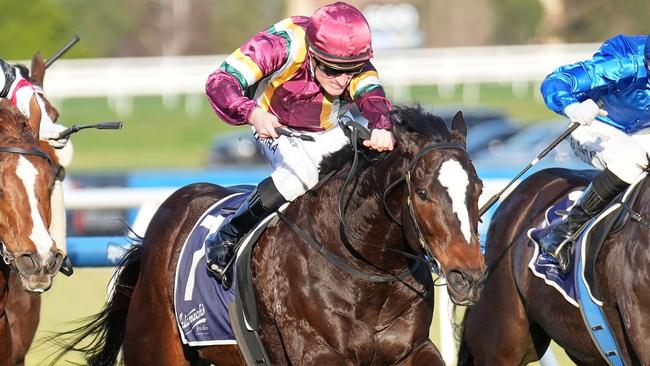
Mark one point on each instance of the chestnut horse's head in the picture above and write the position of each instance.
(440, 214)
(26, 179)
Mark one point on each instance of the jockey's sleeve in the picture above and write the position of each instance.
(608, 69)
(369, 96)
(260, 56)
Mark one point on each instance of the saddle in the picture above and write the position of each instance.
(610, 221)
(207, 314)
(580, 286)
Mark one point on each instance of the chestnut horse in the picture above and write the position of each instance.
(21, 307)
(518, 314)
(311, 311)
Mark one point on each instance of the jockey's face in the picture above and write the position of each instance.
(332, 80)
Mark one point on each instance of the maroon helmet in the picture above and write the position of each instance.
(338, 33)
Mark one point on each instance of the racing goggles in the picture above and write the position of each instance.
(333, 70)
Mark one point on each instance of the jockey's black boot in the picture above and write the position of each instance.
(559, 239)
(220, 246)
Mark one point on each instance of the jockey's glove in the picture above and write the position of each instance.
(50, 132)
(584, 113)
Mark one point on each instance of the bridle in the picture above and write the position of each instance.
(429, 259)
(432, 263)
(7, 257)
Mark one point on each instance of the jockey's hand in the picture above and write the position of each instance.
(264, 123)
(584, 113)
(50, 132)
(380, 140)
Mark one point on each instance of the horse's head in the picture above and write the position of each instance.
(26, 179)
(440, 212)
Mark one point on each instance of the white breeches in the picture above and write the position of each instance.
(295, 162)
(58, 221)
(604, 146)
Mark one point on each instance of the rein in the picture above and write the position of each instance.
(21, 151)
(429, 259)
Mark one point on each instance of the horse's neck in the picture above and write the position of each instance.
(365, 213)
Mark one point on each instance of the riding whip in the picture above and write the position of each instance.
(62, 50)
(550, 147)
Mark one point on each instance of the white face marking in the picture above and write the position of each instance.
(453, 177)
(40, 235)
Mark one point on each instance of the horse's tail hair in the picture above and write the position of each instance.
(465, 357)
(99, 337)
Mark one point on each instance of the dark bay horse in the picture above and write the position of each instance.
(518, 314)
(311, 312)
(22, 308)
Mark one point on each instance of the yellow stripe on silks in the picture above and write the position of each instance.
(245, 65)
(362, 80)
(326, 112)
(296, 57)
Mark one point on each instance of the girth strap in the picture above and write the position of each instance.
(340, 264)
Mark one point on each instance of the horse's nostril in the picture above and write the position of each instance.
(457, 281)
(55, 264)
(26, 264)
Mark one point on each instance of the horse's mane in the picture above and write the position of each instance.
(407, 119)
(14, 127)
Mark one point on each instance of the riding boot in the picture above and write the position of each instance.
(558, 240)
(220, 246)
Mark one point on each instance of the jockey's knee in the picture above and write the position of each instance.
(628, 170)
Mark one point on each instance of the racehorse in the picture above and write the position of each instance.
(21, 307)
(310, 310)
(518, 314)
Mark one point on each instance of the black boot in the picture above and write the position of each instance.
(220, 246)
(558, 240)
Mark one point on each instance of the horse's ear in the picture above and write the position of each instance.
(37, 71)
(458, 124)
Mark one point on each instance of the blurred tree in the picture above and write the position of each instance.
(102, 25)
(26, 27)
(234, 22)
(517, 21)
(597, 20)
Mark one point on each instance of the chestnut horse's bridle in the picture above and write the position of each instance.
(8, 257)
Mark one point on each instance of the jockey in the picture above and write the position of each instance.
(609, 96)
(25, 96)
(304, 74)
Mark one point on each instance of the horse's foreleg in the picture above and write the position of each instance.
(425, 354)
(5, 340)
(496, 329)
(23, 313)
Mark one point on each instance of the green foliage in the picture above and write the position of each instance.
(597, 20)
(517, 21)
(234, 22)
(26, 27)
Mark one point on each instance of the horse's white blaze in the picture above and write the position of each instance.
(40, 236)
(453, 177)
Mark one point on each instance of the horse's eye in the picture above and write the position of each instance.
(424, 196)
